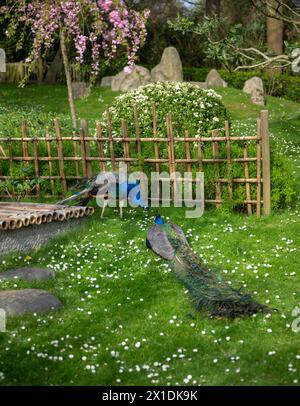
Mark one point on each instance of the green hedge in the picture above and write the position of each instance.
(284, 85)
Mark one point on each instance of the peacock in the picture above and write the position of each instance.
(88, 189)
(207, 289)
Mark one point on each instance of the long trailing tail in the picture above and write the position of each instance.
(81, 191)
(207, 289)
(216, 297)
(74, 197)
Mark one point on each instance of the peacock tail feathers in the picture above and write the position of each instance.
(207, 289)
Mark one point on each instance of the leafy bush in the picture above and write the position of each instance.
(283, 182)
(279, 85)
(18, 185)
(195, 74)
(193, 108)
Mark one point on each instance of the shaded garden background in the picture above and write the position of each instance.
(258, 30)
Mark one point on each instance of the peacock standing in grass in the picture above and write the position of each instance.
(89, 188)
(207, 289)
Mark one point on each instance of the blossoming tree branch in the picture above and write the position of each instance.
(91, 25)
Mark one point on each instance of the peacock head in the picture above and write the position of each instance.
(158, 219)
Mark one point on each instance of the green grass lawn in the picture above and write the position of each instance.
(125, 319)
(39, 105)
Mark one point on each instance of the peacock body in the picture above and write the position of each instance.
(89, 188)
(208, 290)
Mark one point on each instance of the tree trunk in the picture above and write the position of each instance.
(275, 34)
(274, 38)
(40, 72)
(68, 78)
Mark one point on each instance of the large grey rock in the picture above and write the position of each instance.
(125, 82)
(252, 84)
(19, 302)
(257, 97)
(81, 89)
(296, 62)
(170, 67)
(214, 79)
(106, 81)
(255, 88)
(30, 274)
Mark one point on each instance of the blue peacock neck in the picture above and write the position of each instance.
(159, 220)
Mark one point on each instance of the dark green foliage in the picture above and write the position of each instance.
(18, 185)
(284, 85)
(283, 181)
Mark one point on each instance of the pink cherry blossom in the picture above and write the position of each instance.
(111, 25)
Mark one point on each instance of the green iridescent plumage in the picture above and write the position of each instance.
(207, 288)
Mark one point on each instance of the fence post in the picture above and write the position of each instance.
(83, 153)
(258, 170)
(85, 127)
(111, 139)
(60, 155)
(265, 137)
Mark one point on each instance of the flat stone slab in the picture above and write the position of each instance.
(26, 301)
(29, 274)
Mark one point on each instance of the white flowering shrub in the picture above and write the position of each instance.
(194, 109)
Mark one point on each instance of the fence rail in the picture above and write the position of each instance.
(93, 154)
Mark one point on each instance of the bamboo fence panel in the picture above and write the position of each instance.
(103, 150)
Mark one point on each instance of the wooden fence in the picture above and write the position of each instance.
(17, 71)
(90, 154)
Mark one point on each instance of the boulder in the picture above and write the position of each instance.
(214, 79)
(255, 88)
(252, 84)
(296, 62)
(81, 89)
(26, 301)
(257, 97)
(125, 82)
(30, 274)
(106, 81)
(170, 67)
